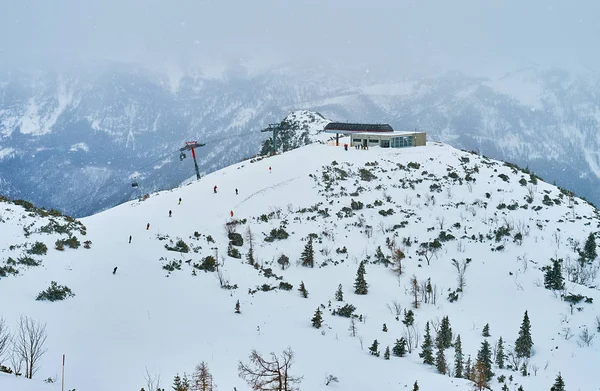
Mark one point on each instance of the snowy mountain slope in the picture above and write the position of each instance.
(129, 119)
(144, 316)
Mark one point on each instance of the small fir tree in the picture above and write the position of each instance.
(386, 354)
(237, 307)
(446, 333)
(360, 284)
(308, 255)
(553, 278)
(250, 256)
(458, 358)
(339, 295)
(520, 388)
(415, 386)
(468, 369)
(177, 383)
(505, 387)
(317, 320)
(409, 318)
(399, 349)
(303, 290)
(559, 384)
(374, 348)
(380, 257)
(440, 359)
(524, 343)
(524, 369)
(589, 249)
(486, 330)
(484, 356)
(427, 347)
(385, 328)
(500, 353)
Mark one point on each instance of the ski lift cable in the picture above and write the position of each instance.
(77, 202)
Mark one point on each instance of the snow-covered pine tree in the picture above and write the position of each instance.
(427, 347)
(360, 284)
(553, 278)
(486, 330)
(559, 384)
(468, 369)
(484, 356)
(380, 257)
(446, 332)
(458, 358)
(524, 343)
(440, 359)
(524, 369)
(307, 258)
(302, 290)
(409, 318)
(589, 249)
(500, 353)
(339, 295)
(386, 354)
(373, 349)
(177, 385)
(415, 386)
(399, 349)
(317, 319)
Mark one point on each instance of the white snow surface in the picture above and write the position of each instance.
(142, 317)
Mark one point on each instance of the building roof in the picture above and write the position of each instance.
(387, 134)
(344, 127)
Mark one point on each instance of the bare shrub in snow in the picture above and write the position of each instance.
(152, 381)
(29, 344)
(567, 333)
(440, 220)
(4, 339)
(411, 335)
(395, 308)
(585, 337)
(598, 323)
(271, 373)
(330, 379)
(461, 268)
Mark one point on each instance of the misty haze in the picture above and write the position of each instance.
(101, 101)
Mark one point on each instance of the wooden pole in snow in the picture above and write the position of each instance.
(63, 373)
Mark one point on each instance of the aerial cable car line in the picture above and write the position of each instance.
(77, 202)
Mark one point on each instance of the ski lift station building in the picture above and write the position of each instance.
(381, 135)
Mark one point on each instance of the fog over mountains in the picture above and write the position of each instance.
(77, 142)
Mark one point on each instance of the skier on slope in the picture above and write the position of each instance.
(215, 189)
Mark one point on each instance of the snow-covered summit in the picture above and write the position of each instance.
(164, 310)
(299, 128)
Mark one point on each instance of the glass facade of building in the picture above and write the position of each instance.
(401, 142)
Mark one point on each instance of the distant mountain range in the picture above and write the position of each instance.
(76, 143)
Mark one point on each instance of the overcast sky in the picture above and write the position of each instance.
(396, 34)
